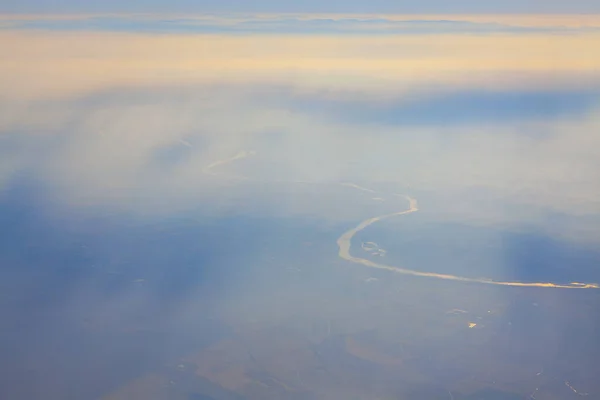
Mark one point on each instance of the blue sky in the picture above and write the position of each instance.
(346, 6)
(290, 24)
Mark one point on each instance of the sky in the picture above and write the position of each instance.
(351, 6)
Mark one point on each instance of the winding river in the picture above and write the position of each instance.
(344, 242)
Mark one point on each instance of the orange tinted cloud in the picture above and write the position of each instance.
(37, 64)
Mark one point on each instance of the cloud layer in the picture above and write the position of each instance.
(109, 119)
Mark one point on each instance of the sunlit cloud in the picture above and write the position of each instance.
(50, 65)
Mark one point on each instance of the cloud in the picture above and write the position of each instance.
(123, 149)
(58, 64)
(306, 24)
(130, 121)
